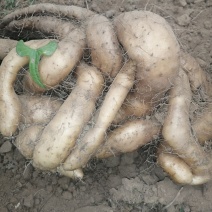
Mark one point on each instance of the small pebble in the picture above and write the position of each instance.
(183, 20)
(6, 147)
(29, 201)
(182, 3)
(110, 13)
(207, 24)
(67, 195)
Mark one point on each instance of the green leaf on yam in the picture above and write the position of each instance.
(34, 57)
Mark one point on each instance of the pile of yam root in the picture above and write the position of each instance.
(120, 74)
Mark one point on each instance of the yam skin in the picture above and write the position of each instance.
(149, 41)
(38, 109)
(69, 52)
(58, 10)
(60, 135)
(177, 169)
(129, 137)
(10, 107)
(6, 45)
(104, 46)
(177, 128)
(114, 98)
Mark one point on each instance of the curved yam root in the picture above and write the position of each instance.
(92, 140)
(6, 45)
(58, 10)
(177, 129)
(148, 40)
(56, 68)
(10, 107)
(129, 137)
(60, 135)
(101, 39)
(178, 170)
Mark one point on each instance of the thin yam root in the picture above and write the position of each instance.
(6, 45)
(129, 137)
(114, 98)
(10, 107)
(60, 135)
(78, 13)
(65, 58)
(177, 128)
(157, 56)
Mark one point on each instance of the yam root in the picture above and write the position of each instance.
(114, 98)
(59, 136)
(104, 46)
(178, 169)
(177, 129)
(58, 10)
(150, 42)
(10, 107)
(129, 137)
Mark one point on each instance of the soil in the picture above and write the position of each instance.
(130, 182)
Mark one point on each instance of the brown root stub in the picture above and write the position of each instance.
(148, 40)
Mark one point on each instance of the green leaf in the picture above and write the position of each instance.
(34, 57)
(48, 49)
(23, 50)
